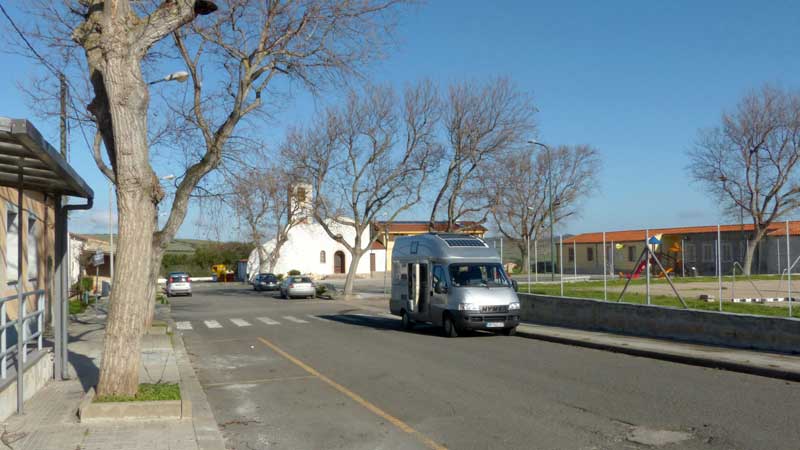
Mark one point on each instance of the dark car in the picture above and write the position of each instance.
(265, 282)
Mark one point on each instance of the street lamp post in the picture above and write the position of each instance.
(550, 206)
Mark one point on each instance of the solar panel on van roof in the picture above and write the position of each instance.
(464, 243)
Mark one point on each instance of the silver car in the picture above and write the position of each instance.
(298, 286)
(179, 283)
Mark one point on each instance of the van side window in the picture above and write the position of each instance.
(438, 276)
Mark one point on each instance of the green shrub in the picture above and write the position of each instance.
(294, 272)
(321, 289)
(279, 277)
(87, 283)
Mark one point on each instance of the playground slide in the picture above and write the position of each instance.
(663, 275)
(636, 273)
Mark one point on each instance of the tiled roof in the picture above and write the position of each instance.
(776, 229)
(377, 246)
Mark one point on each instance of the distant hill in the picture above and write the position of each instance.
(176, 247)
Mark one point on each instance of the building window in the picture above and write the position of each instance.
(322, 257)
(631, 253)
(300, 194)
(708, 252)
(12, 241)
(571, 254)
(589, 254)
(32, 241)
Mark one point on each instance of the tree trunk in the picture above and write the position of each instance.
(748, 256)
(119, 371)
(355, 257)
(152, 286)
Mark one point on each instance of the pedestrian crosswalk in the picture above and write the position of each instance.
(238, 322)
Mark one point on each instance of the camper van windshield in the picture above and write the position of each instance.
(477, 274)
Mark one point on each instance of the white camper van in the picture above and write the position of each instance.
(455, 281)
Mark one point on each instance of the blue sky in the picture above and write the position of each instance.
(634, 79)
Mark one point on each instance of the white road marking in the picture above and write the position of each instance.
(212, 324)
(295, 319)
(183, 325)
(268, 321)
(240, 322)
(321, 319)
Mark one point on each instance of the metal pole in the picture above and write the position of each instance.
(719, 266)
(613, 250)
(528, 261)
(552, 242)
(561, 263)
(647, 263)
(778, 246)
(20, 308)
(574, 259)
(605, 283)
(683, 258)
(536, 259)
(501, 250)
(788, 269)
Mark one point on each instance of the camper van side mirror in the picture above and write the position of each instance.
(440, 288)
(515, 285)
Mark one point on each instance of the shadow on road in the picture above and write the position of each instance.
(381, 323)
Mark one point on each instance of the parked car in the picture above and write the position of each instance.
(265, 282)
(298, 286)
(179, 283)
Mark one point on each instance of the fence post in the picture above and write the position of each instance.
(789, 269)
(647, 262)
(574, 258)
(528, 261)
(536, 258)
(683, 258)
(605, 269)
(561, 262)
(719, 265)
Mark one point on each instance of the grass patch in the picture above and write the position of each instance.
(76, 306)
(589, 290)
(147, 392)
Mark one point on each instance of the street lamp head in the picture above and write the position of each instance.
(180, 76)
(204, 7)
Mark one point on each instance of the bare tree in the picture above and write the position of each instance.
(750, 162)
(263, 200)
(253, 43)
(371, 156)
(519, 181)
(482, 121)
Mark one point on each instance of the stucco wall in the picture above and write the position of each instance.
(306, 242)
(705, 327)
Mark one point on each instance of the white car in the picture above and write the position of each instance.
(179, 283)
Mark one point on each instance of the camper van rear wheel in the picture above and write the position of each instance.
(407, 323)
(449, 326)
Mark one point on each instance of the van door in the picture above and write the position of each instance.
(418, 286)
(438, 299)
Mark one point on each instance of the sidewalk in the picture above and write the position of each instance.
(773, 365)
(50, 420)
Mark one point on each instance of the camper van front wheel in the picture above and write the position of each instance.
(407, 322)
(449, 326)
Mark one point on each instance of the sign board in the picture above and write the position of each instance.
(98, 258)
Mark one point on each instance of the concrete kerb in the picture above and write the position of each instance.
(205, 425)
(677, 357)
(90, 411)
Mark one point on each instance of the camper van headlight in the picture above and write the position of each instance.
(468, 307)
(513, 306)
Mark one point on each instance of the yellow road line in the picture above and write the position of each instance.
(430, 443)
(259, 381)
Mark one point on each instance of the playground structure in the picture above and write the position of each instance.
(222, 273)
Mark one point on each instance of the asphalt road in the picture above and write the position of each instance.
(319, 374)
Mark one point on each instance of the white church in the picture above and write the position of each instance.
(310, 250)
